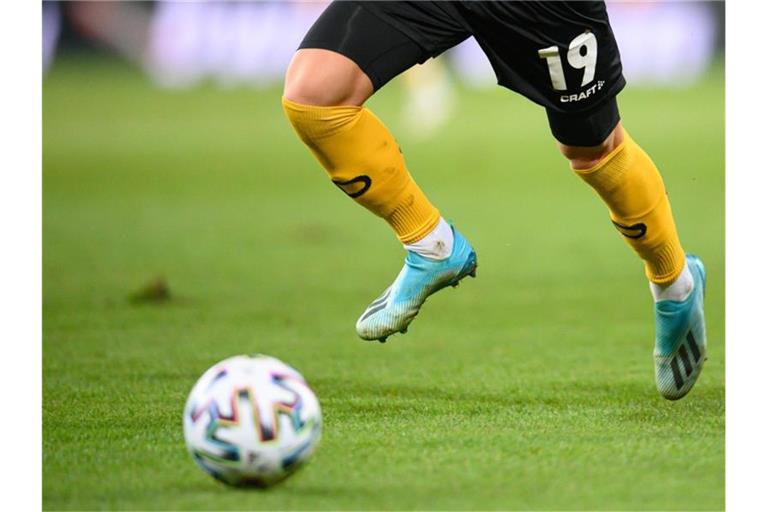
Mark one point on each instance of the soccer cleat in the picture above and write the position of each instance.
(420, 277)
(681, 337)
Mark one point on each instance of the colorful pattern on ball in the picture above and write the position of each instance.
(251, 421)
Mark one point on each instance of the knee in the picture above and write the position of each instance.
(586, 157)
(325, 78)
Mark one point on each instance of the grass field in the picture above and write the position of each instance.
(530, 387)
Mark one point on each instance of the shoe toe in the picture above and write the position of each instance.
(673, 379)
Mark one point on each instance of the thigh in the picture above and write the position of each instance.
(385, 38)
(562, 55)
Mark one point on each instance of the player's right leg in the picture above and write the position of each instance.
(571, 66)
(629, 183)
(347, 55)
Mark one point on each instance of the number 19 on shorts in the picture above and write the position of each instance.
(582, 54)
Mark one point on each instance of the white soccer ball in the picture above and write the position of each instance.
(251, 420)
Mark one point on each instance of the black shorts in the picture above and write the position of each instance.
(561, 55)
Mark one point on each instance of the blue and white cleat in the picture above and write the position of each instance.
(681, 337)
(394, 309)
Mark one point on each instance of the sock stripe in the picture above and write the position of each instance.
(667, 263)
(413, 220)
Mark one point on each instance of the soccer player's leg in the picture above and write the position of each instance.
(631, 186)
(347, 55)
(571, 66)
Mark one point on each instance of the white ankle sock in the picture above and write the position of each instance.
(678, 290)
(437, 245)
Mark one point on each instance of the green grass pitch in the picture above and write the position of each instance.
(530, 387)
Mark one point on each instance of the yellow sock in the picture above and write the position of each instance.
(364, 161)
(631, 186)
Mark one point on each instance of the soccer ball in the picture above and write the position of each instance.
(251, 420)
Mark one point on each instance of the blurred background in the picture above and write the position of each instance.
(230, 44)
(180, 44)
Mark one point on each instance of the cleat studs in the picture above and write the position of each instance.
(383, 340)
(403, 330)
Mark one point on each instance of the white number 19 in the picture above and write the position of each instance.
(587, 61)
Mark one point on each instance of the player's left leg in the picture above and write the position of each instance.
(348, 54)
(630, 185)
